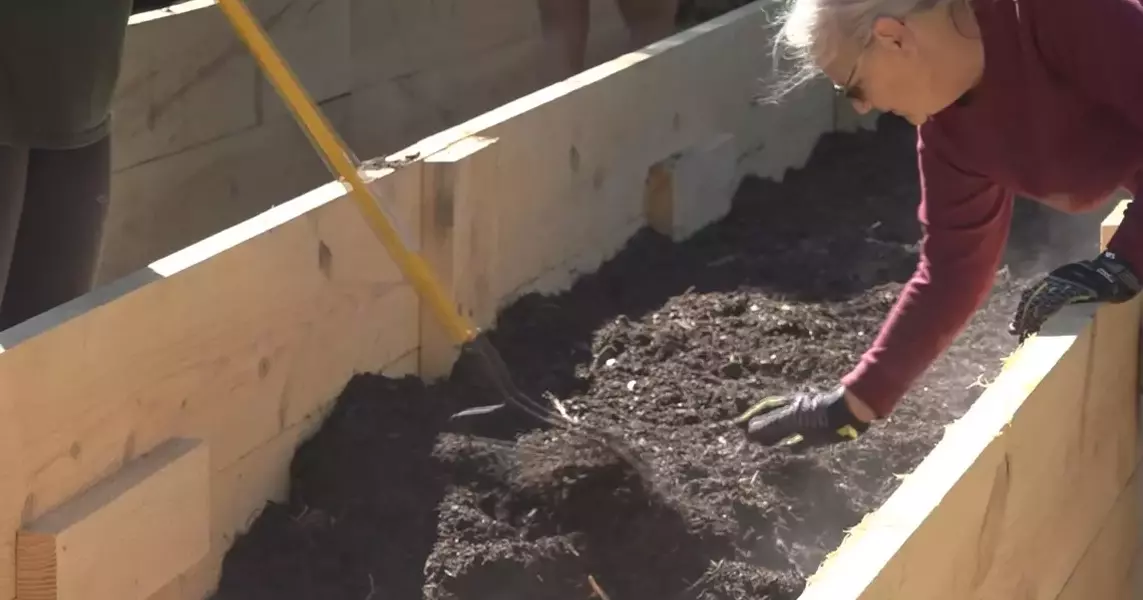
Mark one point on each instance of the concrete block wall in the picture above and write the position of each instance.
(202, 141)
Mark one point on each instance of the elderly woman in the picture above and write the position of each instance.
(1042, 98)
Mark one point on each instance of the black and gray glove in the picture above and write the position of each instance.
(802, 420)
(1104, 279)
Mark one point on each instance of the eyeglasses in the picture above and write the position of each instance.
(851, 90)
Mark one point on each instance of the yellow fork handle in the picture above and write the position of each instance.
(339, 160)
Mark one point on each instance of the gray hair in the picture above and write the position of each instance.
(816, 32)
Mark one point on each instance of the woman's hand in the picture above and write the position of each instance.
(1103, 279)
(806, 420)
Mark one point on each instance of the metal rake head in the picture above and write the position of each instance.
(491, 365)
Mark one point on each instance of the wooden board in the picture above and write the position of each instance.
(693, 189)
(125, 538)
(1009, 501)
(448, 189)
(1105, 571)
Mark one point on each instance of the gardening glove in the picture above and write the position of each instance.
(802, 420)
(1104, 279)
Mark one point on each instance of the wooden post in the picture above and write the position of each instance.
(692, 189)
(449, 208)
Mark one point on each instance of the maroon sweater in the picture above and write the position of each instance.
(1057, 117)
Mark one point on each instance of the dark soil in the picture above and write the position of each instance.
(664, 344)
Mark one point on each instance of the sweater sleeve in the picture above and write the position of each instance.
(1097, 46)
(964, 220)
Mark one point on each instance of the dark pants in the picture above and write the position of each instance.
(52, 207)
(566, 24)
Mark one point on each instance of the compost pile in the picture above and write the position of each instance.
(664, 344)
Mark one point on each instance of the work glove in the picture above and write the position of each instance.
(1104, 279)
(802, 420)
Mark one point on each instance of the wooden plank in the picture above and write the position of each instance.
(166, 204)
(447, 185)
(127, 536)
(13, 493)
(313, 37)
(1105, 571)
(1007, 503)
(1137, 571)
(475, 237)
(1111, 222)
(186, 167)
(398, 111)
(185, 80)
(693, 189)
(233, 340)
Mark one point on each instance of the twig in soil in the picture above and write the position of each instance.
(505, 444)
(372, 588)
(981, 382)
(715, 568)
(253, 516)
(513, 448)
(559, 407)
(606, 354)
(598, 590)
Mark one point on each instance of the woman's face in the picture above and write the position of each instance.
(908, 68)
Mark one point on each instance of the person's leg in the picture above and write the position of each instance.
(564, 24)
(57, 245)
(649, 20)
(13, 176)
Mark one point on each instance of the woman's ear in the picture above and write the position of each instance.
(889, 32)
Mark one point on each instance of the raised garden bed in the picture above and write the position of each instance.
(169, 404)
(665, 343)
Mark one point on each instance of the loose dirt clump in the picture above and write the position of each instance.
(663, 345)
